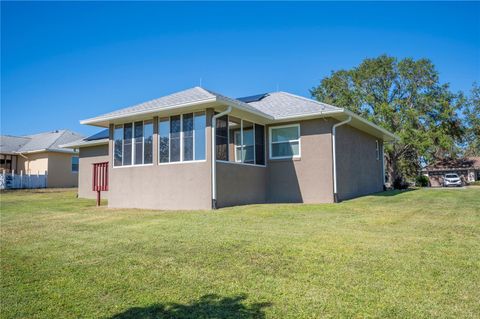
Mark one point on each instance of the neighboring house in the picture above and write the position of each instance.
(467, 168)
(269, 148)
(41, 154)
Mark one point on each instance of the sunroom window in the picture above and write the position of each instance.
(182, 138)
(285, 141)
(133, 143)
(240, 141)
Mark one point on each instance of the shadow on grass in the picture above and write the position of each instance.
(208, 306)
(394, 192)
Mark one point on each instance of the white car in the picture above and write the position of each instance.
(451, 179)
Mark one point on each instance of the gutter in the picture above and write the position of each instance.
(214, 162)
(334, 128)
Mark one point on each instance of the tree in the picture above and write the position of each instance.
(472, 119)
(404, 97)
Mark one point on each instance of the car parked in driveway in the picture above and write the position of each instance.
(452, 179)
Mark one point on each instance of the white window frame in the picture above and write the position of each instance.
(181, 161)
(270, 142)
(133, 145)
(237, 160)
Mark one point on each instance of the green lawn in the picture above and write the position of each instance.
(413, 254)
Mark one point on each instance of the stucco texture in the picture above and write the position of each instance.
(87, 157)
(309, 178)
(359, 172)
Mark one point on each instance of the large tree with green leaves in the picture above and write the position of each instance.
(405, 97)
(472, 121)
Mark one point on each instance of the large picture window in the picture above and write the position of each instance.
(182, 138)
(240, 141)
(133, 143)
(285, 141)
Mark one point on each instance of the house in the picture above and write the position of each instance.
(268, 148)
(41, 154)
(467, 168)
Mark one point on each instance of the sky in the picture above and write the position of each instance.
(66, 61)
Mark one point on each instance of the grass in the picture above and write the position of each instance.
(413, 254)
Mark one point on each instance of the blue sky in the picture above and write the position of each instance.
(62, 62)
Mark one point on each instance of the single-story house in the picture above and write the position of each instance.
(467, 168)
(41, 154)
(197, 149)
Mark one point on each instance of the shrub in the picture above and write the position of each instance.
(422, 181)
(399, 183)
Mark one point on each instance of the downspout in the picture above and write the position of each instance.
(335, 194)
(213, 159)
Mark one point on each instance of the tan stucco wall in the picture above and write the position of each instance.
(60, 170)
(358, 170)
(89, 156)
(171, 186)
(36, 163)
(239, 184)
(58, 166)
(308, 179)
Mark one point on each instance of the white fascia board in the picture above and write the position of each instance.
(375, 126)
(85, 143)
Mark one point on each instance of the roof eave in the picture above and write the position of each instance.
(85, 144)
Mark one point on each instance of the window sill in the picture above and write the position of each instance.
(240, 163)
(285, 159)
(183, 162)
(130, 166)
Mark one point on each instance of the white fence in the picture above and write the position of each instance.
(15, 181)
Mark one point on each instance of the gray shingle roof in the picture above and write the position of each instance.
(282, 104)
(11, 144)
(193, 95)
(49, 141)
(95, 139)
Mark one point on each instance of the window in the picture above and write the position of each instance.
(187, 137)
(175, 129)
(377, 150)
(74, 164)
(182, 138)
(285, 141)
(138, 131)
(259, 144)
(245, 143)
(240, 141)
(118, 145)
(148, 142)
(127, 144)
(221, 138)
(133, 143)
(200, 122)
(164, 140)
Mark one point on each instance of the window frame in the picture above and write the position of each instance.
(181, 161)
(242, 145)
(270, 142)
(377, 149)
(133, 144)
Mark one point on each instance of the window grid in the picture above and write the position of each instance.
(132, 141)
(194, 133)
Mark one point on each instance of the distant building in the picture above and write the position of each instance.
(41, 154)
(467, 168)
